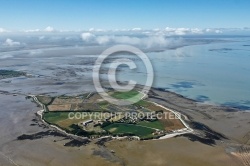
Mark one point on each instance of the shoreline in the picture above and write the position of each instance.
(40, 114)
(207, 103)
(223, 121)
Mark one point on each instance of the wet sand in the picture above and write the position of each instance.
(173, 151)
(16, 120)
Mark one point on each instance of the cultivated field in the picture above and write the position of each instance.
(59, 107)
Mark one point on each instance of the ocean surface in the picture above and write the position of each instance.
(217, 73)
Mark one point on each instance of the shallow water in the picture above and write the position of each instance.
(214, 73)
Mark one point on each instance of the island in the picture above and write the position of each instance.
(90, 116)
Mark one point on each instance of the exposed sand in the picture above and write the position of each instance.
(173, 151)
(17, 120)
(46, 152)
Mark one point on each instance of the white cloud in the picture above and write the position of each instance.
(213, 30)
(91, 29)
(103, 39)
(35, 52)
(49, 29)
(218, 31)
(96, 30)
(167, 29)
(151, 41)
(197, 31)
(10, 42)
(33, 30)
(136, 29)
(156, 29)
(183, 31)
(87, 36)
(41, 37)
(124, 39)
(208, 30)
(2, 30)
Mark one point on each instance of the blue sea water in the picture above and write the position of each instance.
(217, 73)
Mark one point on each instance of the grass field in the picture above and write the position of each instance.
(62, 119)
(125, 95)
(129, 96)
(155, 124)
(142, 103)
(120, 128)
(54, 117)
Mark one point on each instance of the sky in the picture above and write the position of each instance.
(123, 14)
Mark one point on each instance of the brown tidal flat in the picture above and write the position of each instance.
(174, 151)
(46, 152)
(17, 115)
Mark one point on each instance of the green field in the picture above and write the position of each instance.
(122, 128)
(142, 103)
(155, 124)
(130, 95)
(62, 119)
(54, 117)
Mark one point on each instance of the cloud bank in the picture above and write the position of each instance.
(148, 40)
(47, 29)
(10, 42)
(142, 41)
(168, 31)
(2, 30)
